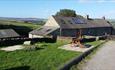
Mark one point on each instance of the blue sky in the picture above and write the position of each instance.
(46, 8)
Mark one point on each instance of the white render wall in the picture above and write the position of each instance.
(30, 35)
(35, 36)
(51, 22)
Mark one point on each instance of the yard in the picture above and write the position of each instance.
(49, 57)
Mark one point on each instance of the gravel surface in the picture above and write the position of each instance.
(104, 59)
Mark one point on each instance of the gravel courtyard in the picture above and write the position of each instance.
(104, 59)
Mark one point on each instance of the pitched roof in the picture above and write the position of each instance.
(45, 30)
(80, 22)
(113, 25)
(5, 33)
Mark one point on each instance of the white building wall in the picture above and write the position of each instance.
(51, 22)
(30, 35)
(35, 36)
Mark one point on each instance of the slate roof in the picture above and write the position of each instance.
(71, 23)
(44, 30)
(113, 25)
(6, 33)
(80, 22)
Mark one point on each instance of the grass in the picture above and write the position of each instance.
(95, 43)
(49, 57)
(79, 66)
(42, 59)
(16, 23)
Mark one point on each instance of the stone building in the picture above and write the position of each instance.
(69, 26)
(8, 34)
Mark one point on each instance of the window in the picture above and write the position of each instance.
(48, 30)
(70, 22)
(62, 21)
(3, 33)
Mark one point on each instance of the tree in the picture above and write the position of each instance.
(66, 13)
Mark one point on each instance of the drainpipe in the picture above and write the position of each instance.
(103, 17)
(112, 30)
(87, 16)
(60, 31)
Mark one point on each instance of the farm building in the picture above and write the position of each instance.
(8, 34)
(69, 26)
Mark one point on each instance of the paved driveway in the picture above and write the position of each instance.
(104, 59)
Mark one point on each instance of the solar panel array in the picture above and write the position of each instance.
(78, 21)
(3, 33)
(73, 20)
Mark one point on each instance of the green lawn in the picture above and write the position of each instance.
(95, 43)
(16, 23)
(42, 59)
(48, 58)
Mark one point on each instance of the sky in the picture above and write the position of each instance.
(46, 8)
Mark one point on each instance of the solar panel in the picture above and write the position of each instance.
(3, 33)
(78, 21)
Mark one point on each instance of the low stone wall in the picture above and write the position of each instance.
(82, 40)
(64, 38)
(111, 37)
(93, 39)
(21, 41)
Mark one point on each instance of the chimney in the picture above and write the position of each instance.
(87, 16)
(103, 17)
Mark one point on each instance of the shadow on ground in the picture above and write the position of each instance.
(20, 68)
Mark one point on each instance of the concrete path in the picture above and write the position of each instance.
(104, 59)
(12, 48)
(77, 49)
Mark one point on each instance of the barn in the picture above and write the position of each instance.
(69, 26)
(8, 34)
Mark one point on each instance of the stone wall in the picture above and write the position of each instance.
(113, 31)
(100, 31)
(97, 31)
